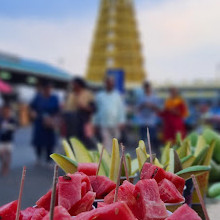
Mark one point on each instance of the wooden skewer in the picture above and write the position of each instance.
(200, 197)
(100, 160)
(20, 193)
(149, 145)
(124, 161)
(118, 180)
(53, 196)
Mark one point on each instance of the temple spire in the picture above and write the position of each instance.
(116, 43)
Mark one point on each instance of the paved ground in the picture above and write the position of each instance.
(39, 179)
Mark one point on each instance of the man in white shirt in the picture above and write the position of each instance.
(110, 115)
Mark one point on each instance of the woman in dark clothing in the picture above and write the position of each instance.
(44, 108)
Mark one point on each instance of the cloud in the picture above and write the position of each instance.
(65, 41)
(181, 38)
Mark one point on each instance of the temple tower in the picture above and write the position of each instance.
(116, 43)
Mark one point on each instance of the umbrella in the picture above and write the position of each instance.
(4, 87)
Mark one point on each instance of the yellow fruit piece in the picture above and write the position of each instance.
(184, 149)
(141, 156)
(157, 163)
(142, 145)
(81, 153)
(68, 150)
(65, 163)
(106, 158)
(188, 162)
(201, 144)
(165, 154)
(134, 166)
(115, 161)
(209, 154)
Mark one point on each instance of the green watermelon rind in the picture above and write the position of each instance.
(193, 170)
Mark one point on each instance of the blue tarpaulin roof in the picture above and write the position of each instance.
(14, 63)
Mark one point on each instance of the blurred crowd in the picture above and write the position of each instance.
(98, 116)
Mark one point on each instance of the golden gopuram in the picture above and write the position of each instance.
(116, 44)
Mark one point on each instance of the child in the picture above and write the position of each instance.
(7, 128)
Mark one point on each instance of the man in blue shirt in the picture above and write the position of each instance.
(146, 115)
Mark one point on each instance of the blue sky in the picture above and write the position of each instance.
(181, 39)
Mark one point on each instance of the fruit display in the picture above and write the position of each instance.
(78, 157)
(160, 186)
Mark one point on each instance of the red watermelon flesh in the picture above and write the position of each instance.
(115, 211)
(60, 213)
(102, 185)
(89, 169)
(101, 204)
(27, 213)
(83, 189)
(44, 201)
(179, 182)
(83, 205)
(184, 213)
(69, 190)
(150, 171)
(85, 179)
(149, 205)
(39, 214)
(125, 194)
(169, 193)
(8, 211)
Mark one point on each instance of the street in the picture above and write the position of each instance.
(38, 179)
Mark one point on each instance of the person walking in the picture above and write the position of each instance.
(110, 116)
(7, 129)
(78, 110)
(146, 115)
(173, 115)
(44, 109)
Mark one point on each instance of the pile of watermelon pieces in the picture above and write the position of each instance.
(170, 185)
(75, 194)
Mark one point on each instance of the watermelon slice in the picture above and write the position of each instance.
(102, 185)
(83, 205)
(39, 214)
(184, 212)
(60, 213)
(89, 169)
(8, 211)
(116, 211)
(69, 190)
(169, 193)
(44, 201)
(179, 182)
(150, 171)
(125, 194)
(149, 204)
